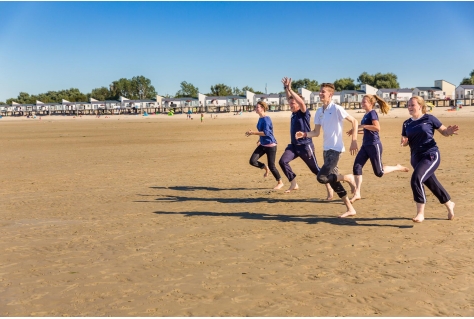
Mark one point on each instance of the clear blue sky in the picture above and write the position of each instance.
(50, 46)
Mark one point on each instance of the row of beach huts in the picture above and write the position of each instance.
(442, 93)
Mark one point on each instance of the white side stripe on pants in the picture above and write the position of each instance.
(380, 160)
(421, 180)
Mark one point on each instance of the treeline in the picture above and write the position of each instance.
(140, 87)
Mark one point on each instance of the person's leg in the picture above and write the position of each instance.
(328, 174)
(259, 151)
(308, 156)
(271, 155)
(424, 167)
(284, 161)
(438, 190)
(361, 158)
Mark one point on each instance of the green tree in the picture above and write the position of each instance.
(468, 81)
(187, 90)
(242, 91)
(344, 84)
(101, 94)
(366, 78)
(220, 90)
(311, 85)
(121, 87)
(379, 80)
(23, 98)
(142, 88)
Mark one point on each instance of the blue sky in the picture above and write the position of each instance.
(50, 46)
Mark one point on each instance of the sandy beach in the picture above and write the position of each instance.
(163, 216)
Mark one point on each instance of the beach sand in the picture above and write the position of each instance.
(163, 216)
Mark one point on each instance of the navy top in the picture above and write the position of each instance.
(370, 137)
(420, 134)
(265, 125)
(300, 122)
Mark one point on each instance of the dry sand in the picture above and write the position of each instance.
(163, 216)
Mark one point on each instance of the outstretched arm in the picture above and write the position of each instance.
(314, 133)
(289, 92)
(448, 131)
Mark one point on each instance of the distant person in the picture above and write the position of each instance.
(418, 132)
(202, 117)
(371, 145)
(330, 118)
(299, 147)
(266, 144)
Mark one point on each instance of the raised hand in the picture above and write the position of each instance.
(452, 129)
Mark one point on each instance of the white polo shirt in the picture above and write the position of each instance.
(331, 121)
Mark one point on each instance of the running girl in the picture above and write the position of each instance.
(417, 132)
(266, 144)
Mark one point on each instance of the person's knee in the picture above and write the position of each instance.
(253, 162)
(379, 174)
(282, 162)
(323, 179)
(357, 170)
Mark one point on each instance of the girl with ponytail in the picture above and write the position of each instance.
(371, 145)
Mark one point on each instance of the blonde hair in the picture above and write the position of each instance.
(384, 107)
(421, 102)
(263, 104)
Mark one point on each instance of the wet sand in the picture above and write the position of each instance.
(163, 216)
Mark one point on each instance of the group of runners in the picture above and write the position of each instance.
(417, 133)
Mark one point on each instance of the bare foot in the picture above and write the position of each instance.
(352, 183)
(402, 168)
(355, 197)
(450, 206)
(348, 213)
(418, 218)
(293, 186)
(279, 185)
(330, 193)
(267, 171)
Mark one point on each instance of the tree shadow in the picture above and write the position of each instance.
(309, 219)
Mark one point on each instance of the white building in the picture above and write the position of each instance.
(352, 96)
(368, 89)
(448, 89)
(395, 94)
(465, 92)
(270, 99)
(429, 92)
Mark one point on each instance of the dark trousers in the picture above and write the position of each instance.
(271, 155)
(292, 151)
(424, 166)
(328, 173)
(366, 152)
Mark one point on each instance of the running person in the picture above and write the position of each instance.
(330, 117)
(267, 144)
(417, 132)
(371, 146)
(299, 147)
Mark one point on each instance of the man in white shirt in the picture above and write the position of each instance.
(330, 117)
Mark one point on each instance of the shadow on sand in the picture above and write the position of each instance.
(309, 219)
